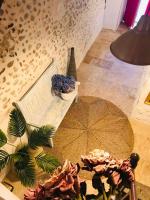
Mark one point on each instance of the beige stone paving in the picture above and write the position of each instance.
(103, 75)
(142, 146)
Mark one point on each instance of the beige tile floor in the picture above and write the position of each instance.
(142, 146)
(103, 75)
(107, 77)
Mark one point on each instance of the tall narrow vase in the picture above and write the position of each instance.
(72, 65)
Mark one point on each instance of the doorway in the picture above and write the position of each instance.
(141, 10)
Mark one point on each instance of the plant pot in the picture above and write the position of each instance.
(68, 96)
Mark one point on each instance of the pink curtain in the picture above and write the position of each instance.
(148, 9)
(131, 11)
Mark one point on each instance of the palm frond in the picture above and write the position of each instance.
(47, 162)
(3, 138)
(4, 159)
(25, 173)
(23, 166)
(47, 129)
(21, 155)
(40, 137)
(17, 124)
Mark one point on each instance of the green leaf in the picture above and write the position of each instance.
(21, 155)
(24, 166)
(40, 137)
(47, 162)
(17, 124)
(48, 130)
(3, 138)
(4, 159)
(25, 173)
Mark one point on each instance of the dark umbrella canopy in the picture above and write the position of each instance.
(134, 46)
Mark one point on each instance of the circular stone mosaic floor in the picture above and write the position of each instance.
(93, 123)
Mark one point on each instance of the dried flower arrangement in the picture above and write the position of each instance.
(112, 175)
(63, 84)
(65, 182)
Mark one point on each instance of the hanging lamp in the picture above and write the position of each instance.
(134, 46)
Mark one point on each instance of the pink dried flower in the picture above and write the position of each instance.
(116, 177)
(96, 157)
(99, 161)
(63, 184)
(127, 169)
(35, 194)
(102, 163)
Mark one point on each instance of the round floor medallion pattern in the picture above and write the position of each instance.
(93, 123)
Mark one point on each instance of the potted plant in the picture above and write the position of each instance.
(64, 86)
(23, 160)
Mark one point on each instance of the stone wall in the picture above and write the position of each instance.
(32, 32)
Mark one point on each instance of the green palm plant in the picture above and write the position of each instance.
(4, 159)
(46, 162)
(40, 137)
(17, 123)
(22, 160)
(3, 138)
